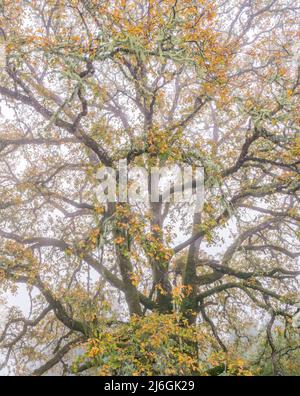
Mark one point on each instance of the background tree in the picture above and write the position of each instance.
(212, 84)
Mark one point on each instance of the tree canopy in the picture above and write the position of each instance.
(153, 287)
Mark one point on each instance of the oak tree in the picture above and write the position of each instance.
(153, 287)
